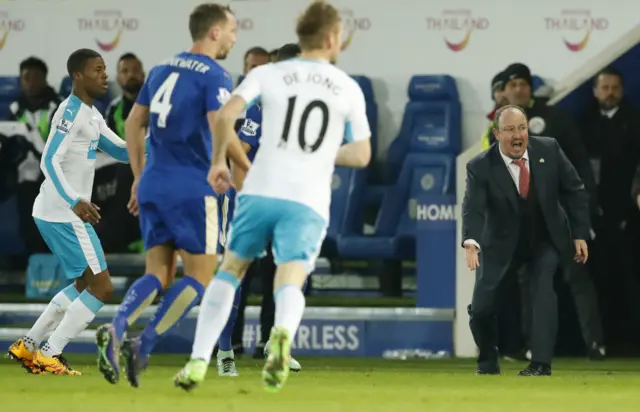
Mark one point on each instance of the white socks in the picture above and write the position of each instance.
(79, 314)
(290, 303)
(214, 314)
(50, 318)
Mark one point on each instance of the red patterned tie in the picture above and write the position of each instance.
(523, 184)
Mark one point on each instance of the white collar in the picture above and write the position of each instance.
(610, 113)
(508, 161)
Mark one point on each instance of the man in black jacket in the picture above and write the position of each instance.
(611, 131)
(550, 121)
(518, 196)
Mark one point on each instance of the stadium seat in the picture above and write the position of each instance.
(9, 92)
(345, 215)
(372, 108)
(101, 104)
(65, 87)
(431, 121)
(346, 190)
(394, 236)
(433, 87)
(536, 82)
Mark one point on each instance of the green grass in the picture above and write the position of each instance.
(328, 385)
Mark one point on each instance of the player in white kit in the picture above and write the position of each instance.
(64, 213)
(313, 119)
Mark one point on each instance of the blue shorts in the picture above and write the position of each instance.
(295, 231)
(75, 245)
(226, 206)
(190, 225)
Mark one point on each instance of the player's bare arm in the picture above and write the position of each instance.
(238, 154)
(135, 128)
(356, 154)
(238, 173)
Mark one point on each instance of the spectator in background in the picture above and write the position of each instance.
(130, 79)
(35, 108)
(499, 98)
(254, 57)
(550, 121)
(38, 101)
(611, 131)
(112, 184)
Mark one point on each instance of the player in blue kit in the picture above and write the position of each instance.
(249, 134)
(176, 204)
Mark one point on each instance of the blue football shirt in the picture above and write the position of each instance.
(179, 93)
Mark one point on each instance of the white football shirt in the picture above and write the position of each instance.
(68, 159)
(309, 109)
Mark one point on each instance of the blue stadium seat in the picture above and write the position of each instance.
(65, 87)
(537, 81)
(431, 121)
(372, 108)
(101, 104)
(367, 87)
(395, 226)
(346, 204)
(433, 87)
(9, 92)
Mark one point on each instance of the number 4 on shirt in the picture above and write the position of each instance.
(161, 102)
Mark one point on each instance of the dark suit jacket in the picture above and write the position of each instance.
(490, 213)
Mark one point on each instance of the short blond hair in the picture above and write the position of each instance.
(315, 22)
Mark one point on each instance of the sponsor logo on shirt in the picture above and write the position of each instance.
(65, 125)
(250, 128)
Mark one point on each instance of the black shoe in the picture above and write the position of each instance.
(596, 352)
(488, 369)
(536, 369)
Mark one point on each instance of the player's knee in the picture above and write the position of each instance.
(292, 273)
(234, 265)
(80, 284)
(204, 278)
(200, 267)
(101, 286)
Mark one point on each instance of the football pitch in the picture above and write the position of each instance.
(331, 384)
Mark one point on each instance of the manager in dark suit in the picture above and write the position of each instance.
(513, 214)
